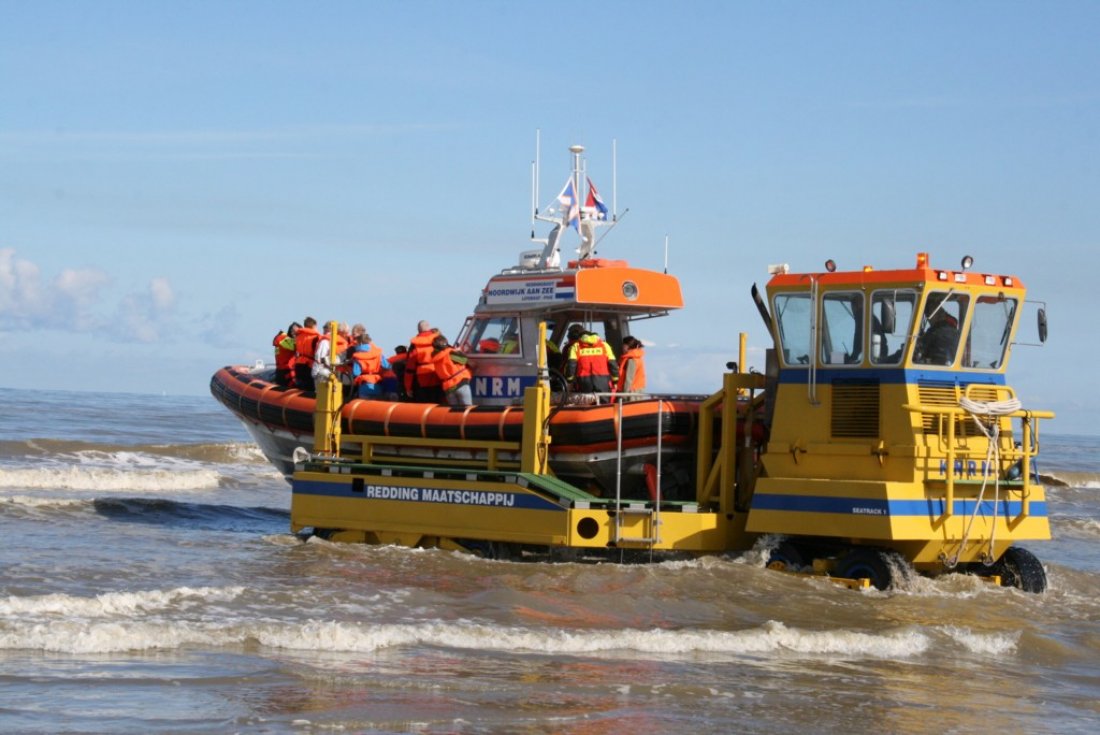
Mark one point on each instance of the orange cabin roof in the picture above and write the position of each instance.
(596, 282)
(922, 272)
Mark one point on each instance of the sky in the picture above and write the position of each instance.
(179, 180)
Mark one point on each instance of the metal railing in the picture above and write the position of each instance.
(1022, 453)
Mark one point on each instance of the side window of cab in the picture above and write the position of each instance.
(990, 329)
(498, 335)
(792, 320)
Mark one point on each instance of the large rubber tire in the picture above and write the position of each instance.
(786, 558)
(1019, 568)
(884, 568)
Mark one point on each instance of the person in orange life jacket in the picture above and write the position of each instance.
(421, 382)
(284, 355)
(393, 382)
(632, 369)
(305, 344)
(454, 375)
(591, 365)
(367, 366)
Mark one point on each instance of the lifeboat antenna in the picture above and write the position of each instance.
(614, 181)
(666, 252)
(535, 181)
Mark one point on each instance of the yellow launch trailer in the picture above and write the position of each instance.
(882, 437)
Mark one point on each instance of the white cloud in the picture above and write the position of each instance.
(74, 302)
(145, 314)
(67, 303)
(162, 295)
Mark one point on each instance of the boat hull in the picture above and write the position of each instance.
(597, 446)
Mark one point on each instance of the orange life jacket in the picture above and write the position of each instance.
(592, 358)
(450, 373)
(420, 359)
(636, 355)
(369, 359)
(284, 356)
(305, 342)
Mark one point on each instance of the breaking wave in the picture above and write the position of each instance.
(116, 603)
(770, 640)
(1062, 478)
(228, 452)
(68, 477)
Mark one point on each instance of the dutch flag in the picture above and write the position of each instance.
(594, 199)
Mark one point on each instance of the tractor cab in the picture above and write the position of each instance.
(888, 410)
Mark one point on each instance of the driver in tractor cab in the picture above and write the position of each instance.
(939, 341)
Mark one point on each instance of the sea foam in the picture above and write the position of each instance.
(108, 478)
(769, 640)
(119, 604)
(992, 644)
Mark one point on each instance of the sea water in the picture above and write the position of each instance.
(149, 583)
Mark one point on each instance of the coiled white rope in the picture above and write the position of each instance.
(979, 410)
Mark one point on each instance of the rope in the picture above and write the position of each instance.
(979, 410)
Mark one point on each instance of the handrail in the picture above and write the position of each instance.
(493, 448)
(1027, 449)
(717, 470)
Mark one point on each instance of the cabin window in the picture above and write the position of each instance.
(989, 332)
(842, 328)
(792, 319)
(891, 319)
(498, 335)
(943, 316)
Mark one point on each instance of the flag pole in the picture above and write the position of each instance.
(614, 181)
(535, 186)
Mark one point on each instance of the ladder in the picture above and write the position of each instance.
(651, 516)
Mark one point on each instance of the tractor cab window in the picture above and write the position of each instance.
(792, 320)
(938, 340)
(990, 329)
(497, 335)
(842, 328)
(891, 319)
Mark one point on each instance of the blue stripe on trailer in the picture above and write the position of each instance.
(928, 508)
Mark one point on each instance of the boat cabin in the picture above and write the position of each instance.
(604, 296)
